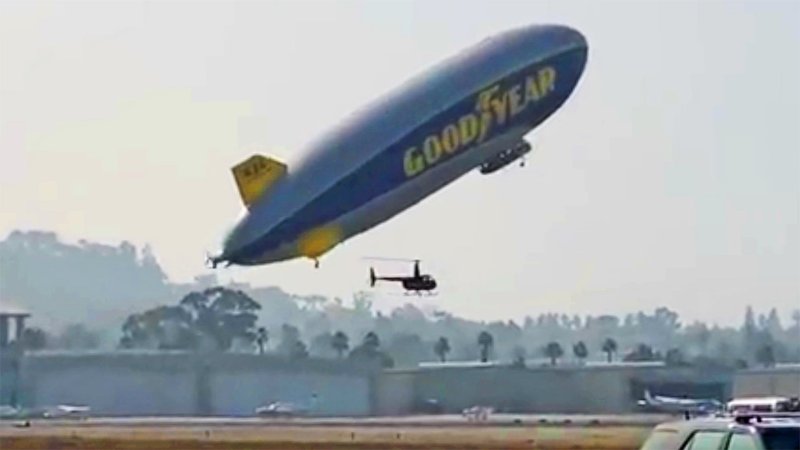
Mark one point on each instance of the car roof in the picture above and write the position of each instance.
(761, 400)
(730, 421)
(692, 425)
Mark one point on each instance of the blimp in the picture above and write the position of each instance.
(470, 112)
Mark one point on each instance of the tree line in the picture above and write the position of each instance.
(71, 286)
(229, 319)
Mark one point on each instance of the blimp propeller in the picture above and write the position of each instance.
(213, 261)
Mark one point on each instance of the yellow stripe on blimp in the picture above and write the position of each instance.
(318, 241)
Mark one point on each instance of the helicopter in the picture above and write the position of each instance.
(416, 283)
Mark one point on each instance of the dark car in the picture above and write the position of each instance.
(740, 432)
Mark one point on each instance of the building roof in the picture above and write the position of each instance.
(9, 308)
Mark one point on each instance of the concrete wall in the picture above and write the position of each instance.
(598, 389)
(131, 383)
(238, 386)
(394, 393)
(190, 384)
(551, 390)
(778, 381)
(112, 384)
(9, 361)
(118, 392)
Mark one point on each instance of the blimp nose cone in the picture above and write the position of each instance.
(569, 34)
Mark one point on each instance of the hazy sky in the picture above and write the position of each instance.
(670, 177)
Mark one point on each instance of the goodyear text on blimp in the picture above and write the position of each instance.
(493, 108)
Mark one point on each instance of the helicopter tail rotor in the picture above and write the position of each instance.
(372, 277)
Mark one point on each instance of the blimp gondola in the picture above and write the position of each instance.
(471, 111)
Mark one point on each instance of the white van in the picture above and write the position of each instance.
(759, 404)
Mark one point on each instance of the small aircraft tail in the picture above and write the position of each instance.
(649, 397)
(372, 277)
(255, 175)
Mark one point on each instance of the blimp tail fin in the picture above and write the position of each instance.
(255, 175)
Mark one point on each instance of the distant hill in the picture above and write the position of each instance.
(96, 284)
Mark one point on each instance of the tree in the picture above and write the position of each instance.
(580, 351)
(519, 354)
(78, 337)
(553, 351)
(362, 302)
(262, 337)
(290, 336)
(674, 357)
(796, 320)
(216, 315)
(609, 348)
(485, 342)
(408, 349)
(369, 351)
(340, 343)
(320, 345)
(298, 350)
(698, 334)
(765, 355)
(749, 328)
(441, 348)
(162, 327)
(642, 352)
(223, 315)
(34, 339)
(772, 323)
(371, 342)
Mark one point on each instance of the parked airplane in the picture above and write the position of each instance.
(676, 405)
(61, 411)
(286, 409)
(9, 412)
(44, 412)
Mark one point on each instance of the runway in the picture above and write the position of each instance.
(444, 420)
(506, 431)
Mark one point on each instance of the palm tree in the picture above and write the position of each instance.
(609, 348)
(442, 348)
(580, 351)
(553, 351)
(340, 343)
(262, 337)
(372, 342)
(485, 342)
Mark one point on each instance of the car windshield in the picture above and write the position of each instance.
(781, 438)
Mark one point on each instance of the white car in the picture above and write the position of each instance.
(748, 431)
